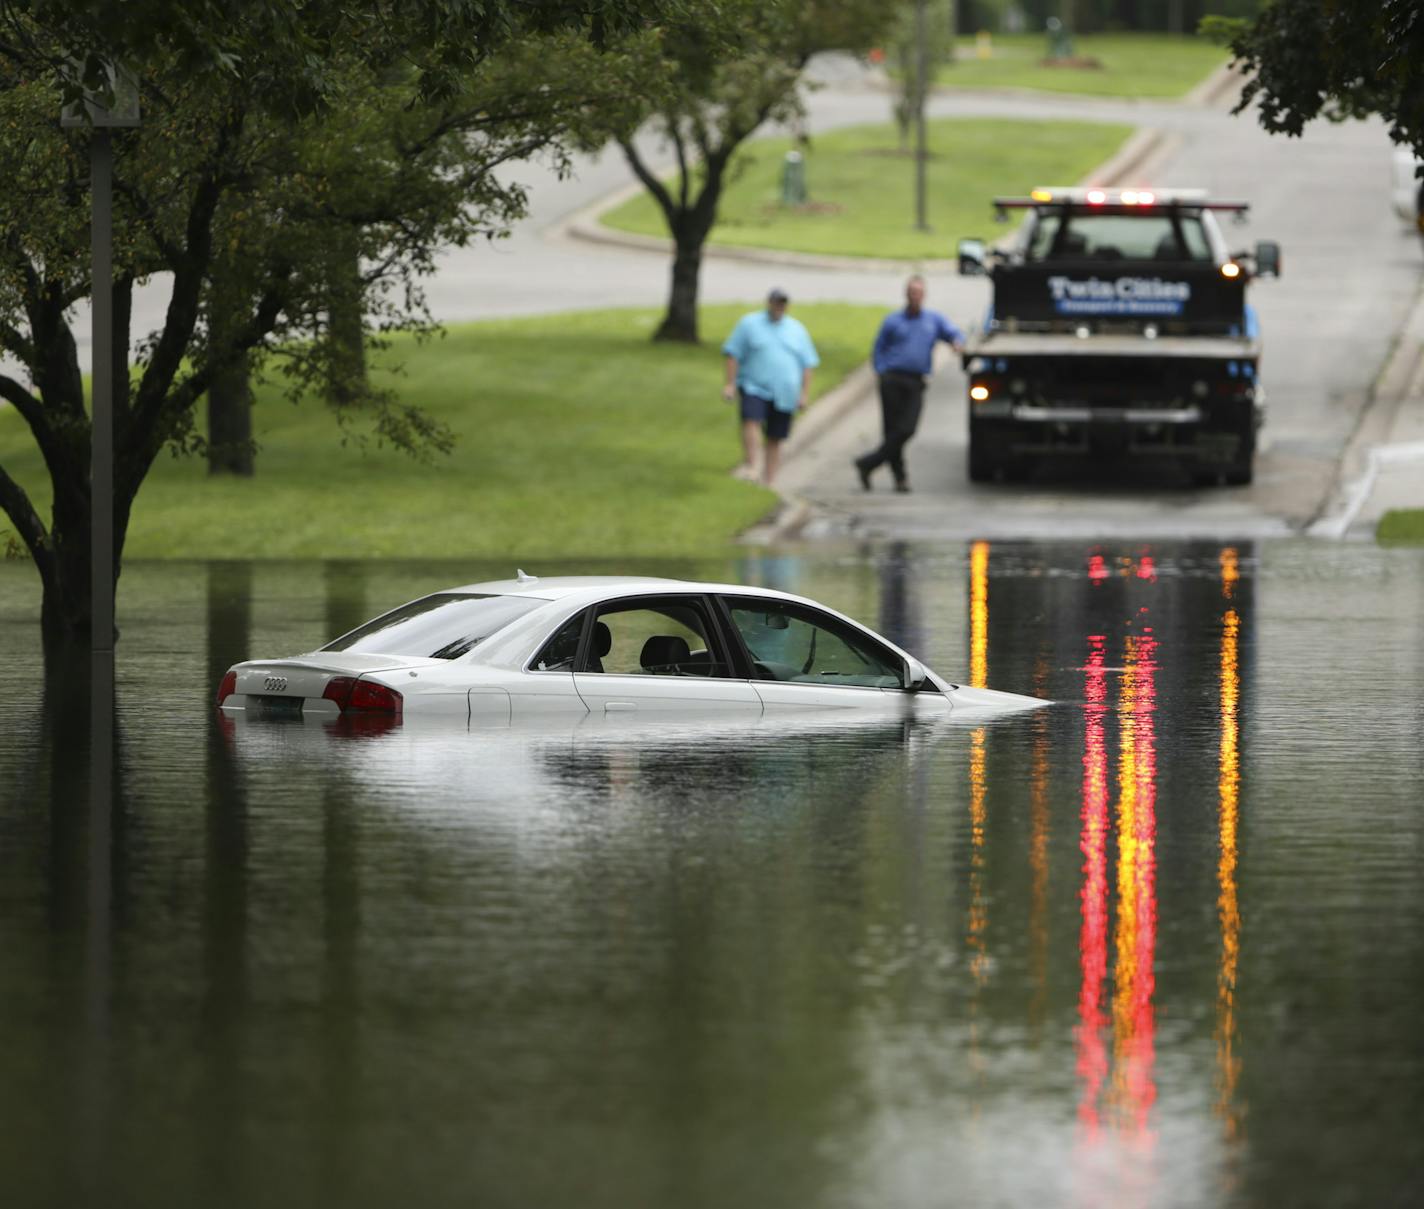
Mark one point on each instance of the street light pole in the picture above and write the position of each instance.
(101, 451)
(922, 92)
(100, 111)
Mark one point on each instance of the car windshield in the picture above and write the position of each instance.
(1078, 236)
(444, 626)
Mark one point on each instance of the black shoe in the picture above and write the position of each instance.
(903, 487)
(864, 473)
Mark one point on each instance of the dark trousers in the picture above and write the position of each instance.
(901, 398)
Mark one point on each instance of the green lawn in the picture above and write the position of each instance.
(1133, 65)
(1404, 525)
(577, 438)
(861, 186)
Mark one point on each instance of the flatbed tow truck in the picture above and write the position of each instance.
(1119, 330)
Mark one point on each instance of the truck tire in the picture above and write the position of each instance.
(982, 468)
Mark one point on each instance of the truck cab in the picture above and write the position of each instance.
(1119, 329)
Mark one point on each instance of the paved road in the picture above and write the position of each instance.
(1351, 272)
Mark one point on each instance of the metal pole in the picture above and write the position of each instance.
(922, 90)
(101, 447)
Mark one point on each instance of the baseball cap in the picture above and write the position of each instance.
(777, 295)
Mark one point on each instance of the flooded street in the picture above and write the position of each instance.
(1159, 944)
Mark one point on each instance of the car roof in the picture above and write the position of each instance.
(591, 588)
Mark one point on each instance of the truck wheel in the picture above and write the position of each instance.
(1238, 474)
(982, 468)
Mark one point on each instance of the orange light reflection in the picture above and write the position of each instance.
(1092, 936)
(1134, 1021)
(1228, 1065)
(979, 614)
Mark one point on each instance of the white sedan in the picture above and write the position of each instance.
(565, 648)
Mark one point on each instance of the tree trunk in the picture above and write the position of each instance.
(230, 391)
(230, 420)
(346, 383)
(680, 322)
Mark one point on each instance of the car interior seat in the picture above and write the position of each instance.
(602, 644)
(1168, 248)
(663, 654)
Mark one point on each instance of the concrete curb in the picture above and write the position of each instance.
(1368, 449)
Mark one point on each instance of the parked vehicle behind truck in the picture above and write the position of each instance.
(1119, 329)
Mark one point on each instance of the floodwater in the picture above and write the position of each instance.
(1159, 944)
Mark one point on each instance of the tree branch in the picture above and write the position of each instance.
(650, 182)
(26, 520)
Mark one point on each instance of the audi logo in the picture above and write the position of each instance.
(275, 684)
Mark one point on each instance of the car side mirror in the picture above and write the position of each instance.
(971, 258)
(917, 678)
(1268, 258)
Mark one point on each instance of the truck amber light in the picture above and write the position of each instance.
(1041, 195)
(978, 393)
(1146, 198)
(1129, 197)
(227, 687)
(1230, 269)
(1096, 197)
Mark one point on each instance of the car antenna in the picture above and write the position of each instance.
(521, 577)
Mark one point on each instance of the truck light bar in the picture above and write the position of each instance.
(1185, 199)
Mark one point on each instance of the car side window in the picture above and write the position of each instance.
(655, 638)
(795, 645)
(559, 653)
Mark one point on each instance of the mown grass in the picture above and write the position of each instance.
(1404, 526)
(861, 186)
(1131, 65)
(577, 437)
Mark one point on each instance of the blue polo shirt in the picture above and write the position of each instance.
(771, 357)
(906, 342)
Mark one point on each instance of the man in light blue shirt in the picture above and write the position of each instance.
(903, 358)
(770, 357)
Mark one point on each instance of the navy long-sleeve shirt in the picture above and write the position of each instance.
(906, 342)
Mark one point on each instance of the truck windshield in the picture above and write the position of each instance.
(1077, 236)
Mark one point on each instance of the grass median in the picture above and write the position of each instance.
(1402, 526)
(861, 186)
(577, 436)
(1127, 65)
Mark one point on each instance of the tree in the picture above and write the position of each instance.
(1309, 58)
(303, 137)
(729, 73)
(910, 91)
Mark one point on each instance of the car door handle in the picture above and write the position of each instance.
(615, 707)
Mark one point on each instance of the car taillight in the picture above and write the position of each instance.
(338, 689)
(227, 687)
(376, 698)
(352, 693)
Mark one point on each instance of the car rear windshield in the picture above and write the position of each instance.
(444, 626)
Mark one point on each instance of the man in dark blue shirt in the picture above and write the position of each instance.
(903, 359)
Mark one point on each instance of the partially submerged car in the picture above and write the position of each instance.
(532, 648)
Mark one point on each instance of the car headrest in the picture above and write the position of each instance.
(661, 650)
(602, 639)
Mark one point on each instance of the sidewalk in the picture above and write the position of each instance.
(1383, 465)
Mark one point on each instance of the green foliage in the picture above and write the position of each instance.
(612, 445)
(1313, 58)
(906, 45)
(277, 139)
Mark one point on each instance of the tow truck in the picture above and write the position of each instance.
(1119, 329)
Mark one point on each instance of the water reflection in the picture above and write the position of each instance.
(1228, 792)
(827, 965)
